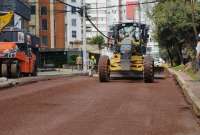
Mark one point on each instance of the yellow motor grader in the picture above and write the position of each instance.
(128, 53)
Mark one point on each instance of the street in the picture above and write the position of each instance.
(83, 106)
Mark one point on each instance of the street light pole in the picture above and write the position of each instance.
(84, 38)
(139, 21)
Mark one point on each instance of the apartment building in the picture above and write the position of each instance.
(123, 11)
(105, 18)
(113, 13)
(34, 27)
(48, 22)
(73, 25)
(145, 8)
(98, 16)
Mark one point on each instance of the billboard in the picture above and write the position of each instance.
(131, 7)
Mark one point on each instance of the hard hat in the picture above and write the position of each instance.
(92, 57)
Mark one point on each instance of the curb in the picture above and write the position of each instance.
(29, 80)
(187, 91)
(7, 84)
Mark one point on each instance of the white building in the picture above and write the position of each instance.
(113, 13)
(118, 13)
(73, 25)
(152, 45)
(144, 9)
(98, 17)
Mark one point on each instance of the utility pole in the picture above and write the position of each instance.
(139, 6)
(84, 38)
(52, 25)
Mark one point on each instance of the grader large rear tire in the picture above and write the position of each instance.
(104, 69)
(148, 69)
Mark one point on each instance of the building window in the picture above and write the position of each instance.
(45, 40)
(73, 0)
(73, 22)
(74, 34)
(33, 9)
(43, 10)
(44, 24)
(73, 11)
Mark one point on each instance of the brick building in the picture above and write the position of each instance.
(48, 22)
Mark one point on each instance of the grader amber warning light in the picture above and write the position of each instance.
(128, 53)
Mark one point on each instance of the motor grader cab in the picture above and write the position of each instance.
(16, 58)
(128, 53)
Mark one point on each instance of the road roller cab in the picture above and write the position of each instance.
(129, 57)
(16, 59)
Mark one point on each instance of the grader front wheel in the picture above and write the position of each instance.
(148, 69)
(104, 69)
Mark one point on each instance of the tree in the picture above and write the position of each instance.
(174, 27)
(98, 40)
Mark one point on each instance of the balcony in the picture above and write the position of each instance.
(18, 6)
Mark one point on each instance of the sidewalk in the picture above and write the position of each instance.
(190, 87)
(42, 76)
(59, 72)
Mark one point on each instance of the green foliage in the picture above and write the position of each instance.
(179, 68)
(188, 70)
(98, 40)
(174, 28)
(72, 60)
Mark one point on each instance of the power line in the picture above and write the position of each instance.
(106, 7)
(131, 4)
(62, 2)
(88, 18)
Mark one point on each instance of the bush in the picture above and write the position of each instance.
(72, 60)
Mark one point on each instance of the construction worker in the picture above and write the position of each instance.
(92, 62)
(92, 65)
(79, 62)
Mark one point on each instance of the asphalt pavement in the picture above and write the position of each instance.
(83, 106)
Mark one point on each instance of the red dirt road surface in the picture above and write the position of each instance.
(83, 106)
